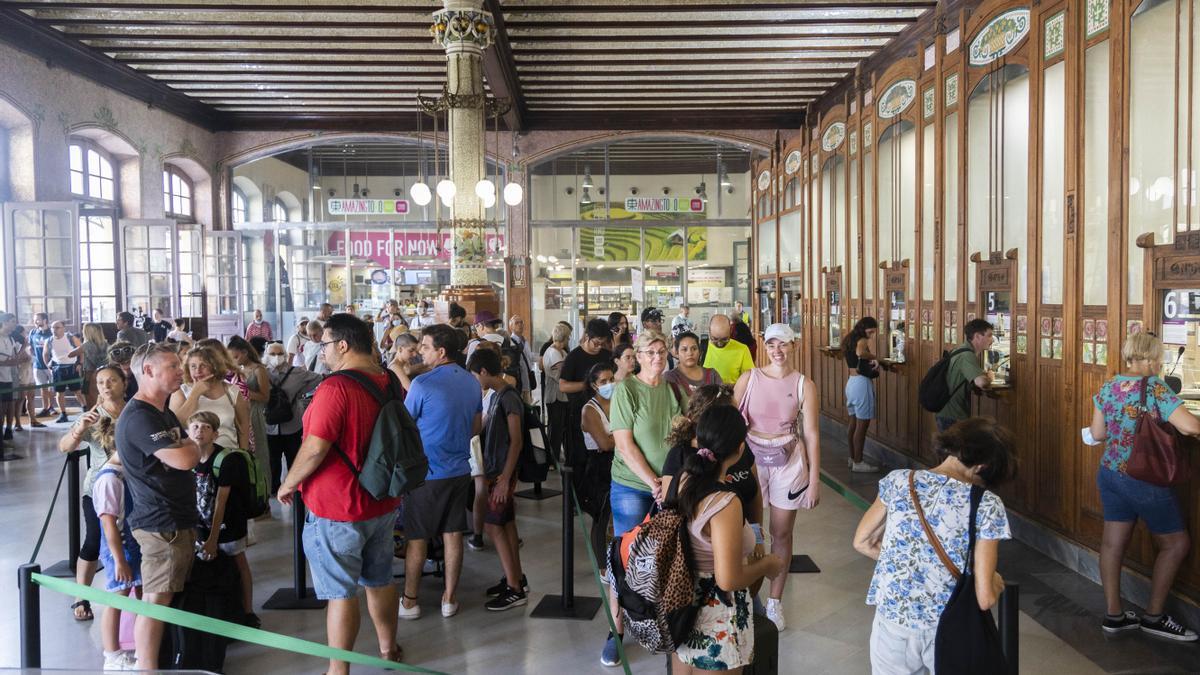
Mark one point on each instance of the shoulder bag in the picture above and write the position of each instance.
(967, 639)
(1158, 455)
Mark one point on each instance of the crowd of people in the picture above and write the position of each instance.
(187, 439)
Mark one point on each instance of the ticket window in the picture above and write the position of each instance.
(896, 328)
(1180, 324)
(998, 312)
(766, 301)
(833, 300)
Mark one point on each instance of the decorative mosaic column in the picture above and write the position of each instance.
(465, 30)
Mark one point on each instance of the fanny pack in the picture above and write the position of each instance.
(771, 451)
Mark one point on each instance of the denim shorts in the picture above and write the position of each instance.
(1126, 499)
(860, 397)
(346, 555)
(629, 507)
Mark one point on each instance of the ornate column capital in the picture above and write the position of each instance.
(463, 28)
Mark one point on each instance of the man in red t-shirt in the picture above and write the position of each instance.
(348, 538)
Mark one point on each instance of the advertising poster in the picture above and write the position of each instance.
(624, 244)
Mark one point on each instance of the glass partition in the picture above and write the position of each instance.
(928, 211)
(951, 258)
(852, 259)
(791, 303)
(897, 191)
(833, 211)
(1152, 109)
(790, 251)
(897, 329)
(766, 301)
(998, 312)
(767, 246)
(1053, 177)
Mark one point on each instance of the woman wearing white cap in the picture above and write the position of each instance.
(782, 411)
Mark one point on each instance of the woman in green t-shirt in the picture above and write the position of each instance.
(643, 407)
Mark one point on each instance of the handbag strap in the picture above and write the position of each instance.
(929, 534)
(1142, 399)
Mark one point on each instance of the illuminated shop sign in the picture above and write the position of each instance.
(664, 205)
(367, 207)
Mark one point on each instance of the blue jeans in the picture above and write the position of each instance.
(1125, 499)
(346, 555)
(629, 507)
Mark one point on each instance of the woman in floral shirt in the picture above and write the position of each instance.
(911, 586)
(1127, 499)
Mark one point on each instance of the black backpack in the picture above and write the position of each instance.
(280, 409)
(534, 464)
(517, 362)
(394, 462)
(934, 392)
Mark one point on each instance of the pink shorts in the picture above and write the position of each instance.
(784, 486)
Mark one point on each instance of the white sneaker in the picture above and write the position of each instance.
(449, 609)
(775, 613)
(409, 613)
(120, 660)
(863, 467)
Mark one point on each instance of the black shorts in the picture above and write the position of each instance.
(66, 374)
(502, 514)
(437, 507)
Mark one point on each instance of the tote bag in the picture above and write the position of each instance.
(1158, 455)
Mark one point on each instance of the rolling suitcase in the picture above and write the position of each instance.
(213, 589)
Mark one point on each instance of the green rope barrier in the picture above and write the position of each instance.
(226, 629)
(24, 387)
(845, 491)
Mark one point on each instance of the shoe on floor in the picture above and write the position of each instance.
(499, 588)
(8, 436)
(863, 467)
(449, 609)
(508, 599)
(62, 419)
(611, 656)
(120, 660)
(1167, 627)
(46, 412)
(251, 620)
(409, 613)
(475, 543)
(1126, 621)
(775, 613)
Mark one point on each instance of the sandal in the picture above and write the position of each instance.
(396, 654)
(86, 606)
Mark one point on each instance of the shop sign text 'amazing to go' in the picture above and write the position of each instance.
(664, 205)
(367, 207)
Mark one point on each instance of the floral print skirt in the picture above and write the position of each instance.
(723, 637)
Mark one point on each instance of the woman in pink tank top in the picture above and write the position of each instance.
(782, 411)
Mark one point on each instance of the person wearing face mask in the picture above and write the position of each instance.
(598, 439)
(295, 345)
(728, 357)
(283, 440)
(396, 327)
(381, 323)
(258, 327)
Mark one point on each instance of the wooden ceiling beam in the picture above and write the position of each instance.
(680, 120)
(732, 22)
(500, 70)
(639, 8)
(132, 39)
(832, 49)
(324, 8)
(56, 50)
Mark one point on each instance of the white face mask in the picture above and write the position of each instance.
(275, 360)
(397, 322)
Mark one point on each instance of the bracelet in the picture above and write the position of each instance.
(758, 534)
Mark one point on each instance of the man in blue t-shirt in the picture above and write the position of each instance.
(447, 404)
(42, 374)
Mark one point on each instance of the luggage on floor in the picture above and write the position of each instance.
(214, 589)
(766, 648)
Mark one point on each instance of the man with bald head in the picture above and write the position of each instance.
(729, 358)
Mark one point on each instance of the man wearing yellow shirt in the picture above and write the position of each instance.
(729, 358)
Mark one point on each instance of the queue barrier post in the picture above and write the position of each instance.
(65, 569)
(299, 595)
(1010, 642)
(30, 615)
(567, 605)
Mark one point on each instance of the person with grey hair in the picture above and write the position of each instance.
(283, 439)
(552, 394)
(158, 458)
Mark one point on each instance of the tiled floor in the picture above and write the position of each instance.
(828, 623)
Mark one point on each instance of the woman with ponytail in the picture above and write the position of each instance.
(860, 391)
(723, 548)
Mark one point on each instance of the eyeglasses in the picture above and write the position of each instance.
(322, 345)
(655, 353)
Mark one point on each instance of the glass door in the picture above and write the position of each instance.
(98, 266)
(40, 240)
(149, 265)
(221, 274)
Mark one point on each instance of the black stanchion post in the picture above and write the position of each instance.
(31, 616)
(567, 606)
(1010, 639)
(65, 569)
(299, 596)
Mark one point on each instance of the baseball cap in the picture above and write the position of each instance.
(651, 314)
(779, 331)
(484, 316)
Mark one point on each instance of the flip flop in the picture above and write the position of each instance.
(87, 610)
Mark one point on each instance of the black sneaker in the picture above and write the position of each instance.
(1167, 627)
(507, 600)
(475, 543)
(251, 619)
(62, 419)
(1124, 622)
(499, 588)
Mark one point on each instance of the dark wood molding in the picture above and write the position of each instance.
(58, 51)
(500, 70)
(635, 8)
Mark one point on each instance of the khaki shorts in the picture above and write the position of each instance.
(166, 559)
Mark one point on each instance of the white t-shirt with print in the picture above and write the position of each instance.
(911, 586)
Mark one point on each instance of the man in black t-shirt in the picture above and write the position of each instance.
(592, 349)
(158, 459)
(160, 327)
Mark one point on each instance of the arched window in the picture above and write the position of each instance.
(91, 172)
(177, 193)
(239, 207)
(279, 211)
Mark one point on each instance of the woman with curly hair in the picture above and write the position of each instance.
(204, 389)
